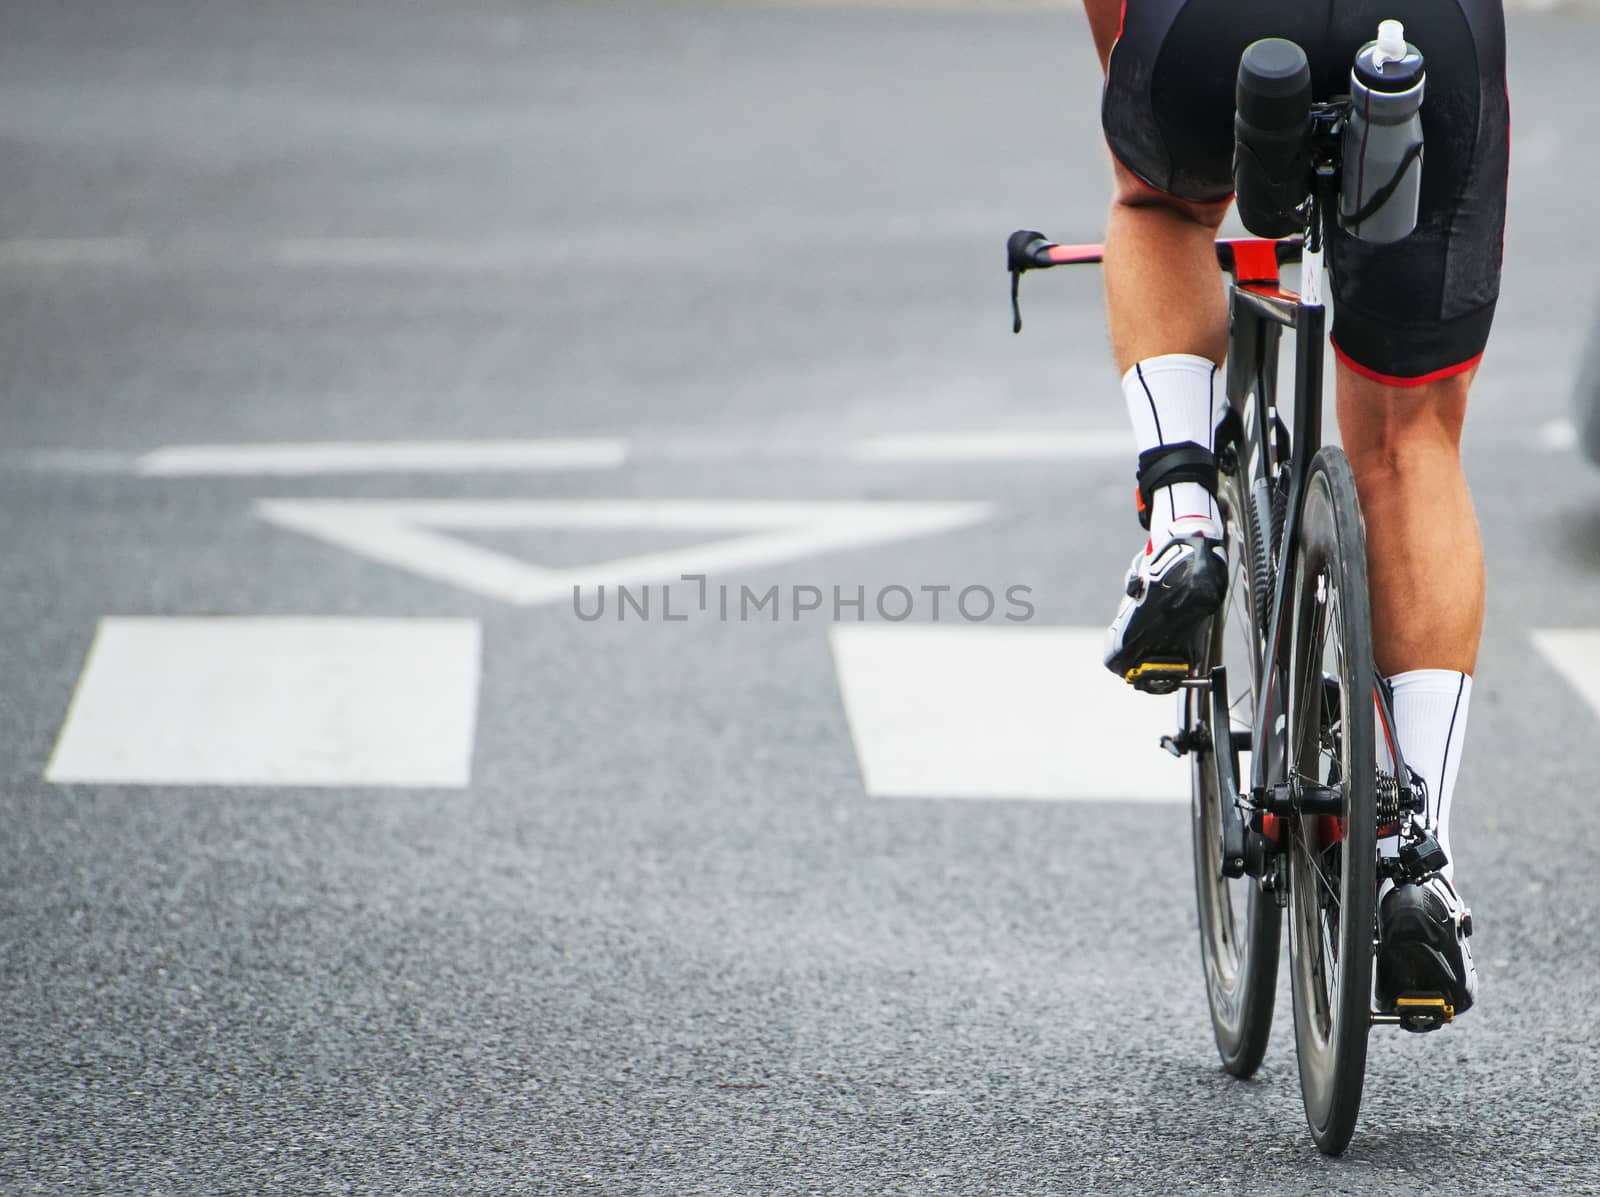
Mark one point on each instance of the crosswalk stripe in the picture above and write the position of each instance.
(274, 702)
(939, 711)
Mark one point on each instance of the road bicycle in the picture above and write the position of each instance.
(1286, 677)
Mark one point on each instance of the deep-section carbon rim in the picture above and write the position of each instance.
(1332, 859)
(1240, 928)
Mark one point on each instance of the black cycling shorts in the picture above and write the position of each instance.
(1407, 312)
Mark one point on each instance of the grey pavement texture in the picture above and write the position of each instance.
(664, 943)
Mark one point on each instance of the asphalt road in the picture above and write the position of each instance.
(660, 936)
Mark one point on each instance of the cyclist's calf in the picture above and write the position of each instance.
(1384, 426)
(1424, 555)
(1161, 275)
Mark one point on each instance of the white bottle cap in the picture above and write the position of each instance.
(1391, 43)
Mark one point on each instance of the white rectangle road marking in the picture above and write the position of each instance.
(274, 702)
(1040, 445)
(372, 457)
(1575, 654)
(940, 711)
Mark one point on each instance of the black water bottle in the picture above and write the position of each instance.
(1272, 127)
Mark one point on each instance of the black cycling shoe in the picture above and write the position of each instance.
(1157, 635)
(1424, 959)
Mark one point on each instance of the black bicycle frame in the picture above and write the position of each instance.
(1260, 311)
(1257, 322)
(1258, 317)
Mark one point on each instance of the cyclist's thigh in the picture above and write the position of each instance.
(1168, 105)
(1421, 307)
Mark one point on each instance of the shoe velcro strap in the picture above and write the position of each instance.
(1167, 464)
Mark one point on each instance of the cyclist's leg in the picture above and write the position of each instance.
(1410, 323)
(1162, 291)
(1168, 328)
(1169, 332)
(1411, 320)
(1426, 561)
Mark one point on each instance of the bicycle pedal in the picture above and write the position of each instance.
(1157, 677)
(1421, 1014)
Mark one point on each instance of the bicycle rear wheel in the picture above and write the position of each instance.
(1240, 926)
(1332, 858)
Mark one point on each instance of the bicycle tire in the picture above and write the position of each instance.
(1332, 924)
(1240, 963)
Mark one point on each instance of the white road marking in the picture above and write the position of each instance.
(1575, 655)
(274, 702)
(1558, 435)
(996, 446)
(410, 535)
(306, 459)
(369, 457)
(939, 711)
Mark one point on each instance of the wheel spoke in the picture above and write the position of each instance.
(1318, 871)
(1239, 928)
(1316, 750)
(1304, 672)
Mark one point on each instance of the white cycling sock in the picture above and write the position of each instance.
(1430, 715)
(1169, 402)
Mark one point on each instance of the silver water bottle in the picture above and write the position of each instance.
(1382, 172)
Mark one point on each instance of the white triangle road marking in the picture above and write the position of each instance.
(1000, 712)
(413, 535)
